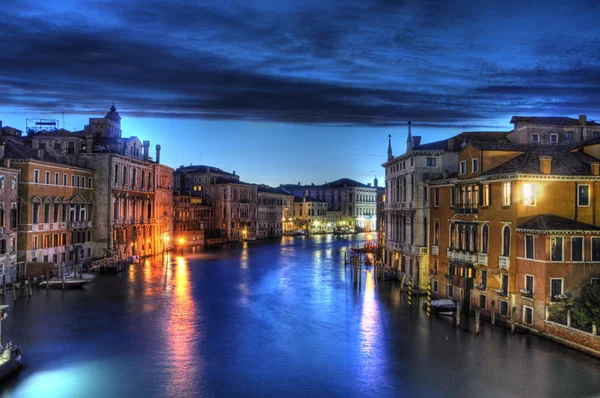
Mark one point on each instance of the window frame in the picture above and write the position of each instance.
(436, 197)
(431, 162)
(449, 287)
(532, 192)
(554, 135)
(475, 162)
(506, 194)
(562, 249)
(527, 308)
(588, 195)
(562, 287)
(582, 249)
(532, 246)
(537, 137)
(487, 192)
(592, 250)
(434, 286)
(500, 302)
(532, 283)
(460, 167)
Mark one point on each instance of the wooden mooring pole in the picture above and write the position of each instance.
(47, 279)
(493, 312)
(477, 321)
(458, 309)
(29, 285)
(14, 289)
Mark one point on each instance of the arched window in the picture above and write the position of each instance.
(116, 173)
(452, 236)
(124, 174)
(436, 233)
(506, 241)
(461, 240)
(485, 232)
(473, 238)
(133, 180)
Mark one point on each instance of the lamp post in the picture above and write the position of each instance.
(181, 242)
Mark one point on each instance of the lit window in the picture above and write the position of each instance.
(583, 195)
(486, 195)
(475, 165)
(506, 194)
(554, 138)
(529, 194)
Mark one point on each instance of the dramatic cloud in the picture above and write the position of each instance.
(375, 63)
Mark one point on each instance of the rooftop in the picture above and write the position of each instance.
(552, 223)
(551, 120)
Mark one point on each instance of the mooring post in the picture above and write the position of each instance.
(4, 285)
(14, 289)
(47, 279)
(410, 291)
(458, 309)
(477, 321)
(62, 279)
(493, 312)
(429, 299)
(29, 283)
(512, 319)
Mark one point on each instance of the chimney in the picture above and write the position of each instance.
(595, 168)
(157, 152)
(233, 172)
(40, 153)
(583, 120)
(1, 150)
(546, 164)
(298, 182)
(451, 144)
(146, 145)
(445, 174)
(369, 184)
(416, 140)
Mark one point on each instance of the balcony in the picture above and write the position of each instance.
(504, 262)
(482, 259)
(435, 250)
(526, 293)
(466, 208)
(481, 287)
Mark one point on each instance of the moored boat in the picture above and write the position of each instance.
(68, 283)
(442, 307)
(10, 359)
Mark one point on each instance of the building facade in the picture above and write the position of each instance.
(9, 217)
(310, 214)
(236, 209)
(192, 218)
(273, 211)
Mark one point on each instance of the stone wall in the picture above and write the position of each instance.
(574, 338)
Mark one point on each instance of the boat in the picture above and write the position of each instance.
(68, 283)
(442, 307)
(84, 275)
(10, 359)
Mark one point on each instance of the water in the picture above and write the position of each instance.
(270, 319)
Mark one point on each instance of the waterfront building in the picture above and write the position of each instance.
(130, 187)
(310, 214)
(354, 202)
(195, 179)
(406, 202)
(9, 195)
(192, 220)
(274, 206)
(515, 231)
(236, 210)
(56, 206)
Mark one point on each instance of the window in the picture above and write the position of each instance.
(47, 179)
(65, 180)
(55, 208)
(554, 138)
(556, 288)
(556, 248)
(506, 241)
(475, 166)
(431, 161)
(583, 195)
(482, 301)
(14, 183)
(504, 284)
(595, 249)
(484, 279)
(463, 167)
(527, 315)
(529, 194)
(529, 285)
(435, 266)
(436, 233)
(56, 178)
(35, 242)
(486, 195)
(535, 137)
(503, 308)
(570, 135)
(577, 248)
(46, 212)
(36, 213)
(36, 176)
(72, 180)
(506, 197)
(90, 182)
(529, 248)
(436, 199)
(434, 286)
(450, 291)
(453, 236)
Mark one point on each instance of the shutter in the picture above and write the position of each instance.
(490, 195)
(481, 193)
(512, 196)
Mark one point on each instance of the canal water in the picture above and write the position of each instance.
(270, 319)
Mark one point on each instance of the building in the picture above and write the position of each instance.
(310, 214)
(192, 218)
(56, 206)
(406, 202)
(132, 207)
(515, 232)
(350, 202)
(274, 205)
(236, 210)
(195, 179)
(9, 196)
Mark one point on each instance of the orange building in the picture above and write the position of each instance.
(516, 232)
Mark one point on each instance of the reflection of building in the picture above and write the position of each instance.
(515, 231)
(273, 210)
(310, 214)
(354, 201)
(192, 219)
(406, 202)
(235, 208)
(56, 206)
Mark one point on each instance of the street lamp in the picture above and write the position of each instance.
(181, 242)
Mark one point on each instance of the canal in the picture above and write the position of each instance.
(269, 319)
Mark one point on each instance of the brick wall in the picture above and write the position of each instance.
(573, 337)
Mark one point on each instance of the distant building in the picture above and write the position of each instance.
(9, 196)
(274, 205)
(192, 218)
(236, 210)
(310, 214)
(194, 179)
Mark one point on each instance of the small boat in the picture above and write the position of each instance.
(68, 283)
(85, 276)
(10, 359)
(442, 307)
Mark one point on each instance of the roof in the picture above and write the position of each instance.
(224, 180)
(203, 169)
(551, 120)
(465, 136)
(432, 146)
(498, 146)
(307, 199)
(551, 223)
(343, 183)
(15, 148)
(265, 189)
(564, 163)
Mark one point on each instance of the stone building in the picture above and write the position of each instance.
(56, 206)
(274, 205)
(9, 195)
(236, 210)
(192, 218)
(133, 209)
(351, 203)
(195, 179)
(310, 214)
(515, 231)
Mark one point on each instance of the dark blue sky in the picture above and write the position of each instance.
(284, 91)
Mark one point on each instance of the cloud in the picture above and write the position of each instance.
(377, 63)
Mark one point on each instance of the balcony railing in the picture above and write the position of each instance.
(435, 250)
(465, 208)
(504, 262)
(482, 259)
